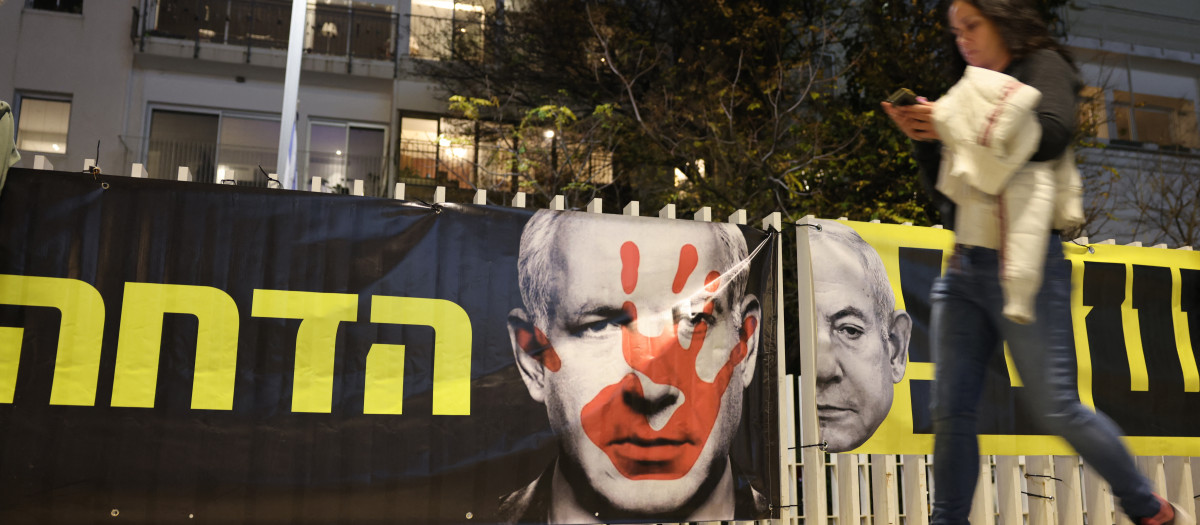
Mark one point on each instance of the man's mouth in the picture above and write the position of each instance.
(833, 412)
(649, 451)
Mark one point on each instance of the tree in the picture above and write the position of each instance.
(720, 91)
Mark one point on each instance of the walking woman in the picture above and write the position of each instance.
(979, 302)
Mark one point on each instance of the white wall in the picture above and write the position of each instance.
(86, 56)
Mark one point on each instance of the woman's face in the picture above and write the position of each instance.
(978, 39)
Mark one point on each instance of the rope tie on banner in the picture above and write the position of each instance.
(95, 170)
(436, 207)
(1042, 476)
(1088, 246)
(1037, 495)
(816, 226)
(823, 445)
(268, 176)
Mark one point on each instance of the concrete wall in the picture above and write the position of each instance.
(87, 57)
(113, 87)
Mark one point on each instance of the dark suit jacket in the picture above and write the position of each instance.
(531, 503)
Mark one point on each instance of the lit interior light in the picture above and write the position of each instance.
(444, 142)
(680, 178)
(548, 134)
(339, 152)
(55, 146)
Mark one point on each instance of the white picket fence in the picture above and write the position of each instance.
(818, 488)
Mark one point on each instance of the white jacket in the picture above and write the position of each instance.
(989, 129)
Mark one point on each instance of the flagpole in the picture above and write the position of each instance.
(286, 163)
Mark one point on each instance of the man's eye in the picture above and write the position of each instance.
(696, 319)
(599, 327)
(850, 331)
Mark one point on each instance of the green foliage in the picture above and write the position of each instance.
(761, 105)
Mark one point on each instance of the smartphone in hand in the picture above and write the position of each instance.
(902, 97)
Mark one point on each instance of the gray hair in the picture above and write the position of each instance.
(540, 263)
(877, 280)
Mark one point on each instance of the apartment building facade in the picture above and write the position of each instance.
(199, 83)
(1141, 63)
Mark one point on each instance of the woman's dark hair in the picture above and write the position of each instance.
(1022, 25)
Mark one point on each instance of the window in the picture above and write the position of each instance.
(441, 29)
(1165, 121)
(64, 6)
(217, 146)
(42, 124)
(182, 138)
(341, 153)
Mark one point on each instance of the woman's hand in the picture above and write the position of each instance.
(915, 120)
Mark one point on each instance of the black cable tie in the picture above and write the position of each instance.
(1037, 495)
(822, 445)
(1042, 476)
(809, 224)
(1088, 246)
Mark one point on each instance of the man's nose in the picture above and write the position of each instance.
(829, 369)
(656, 401)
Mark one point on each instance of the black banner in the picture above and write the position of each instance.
(201, 353)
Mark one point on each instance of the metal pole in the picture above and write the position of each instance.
(286, 164)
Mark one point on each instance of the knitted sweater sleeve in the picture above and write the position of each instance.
(1051, 74)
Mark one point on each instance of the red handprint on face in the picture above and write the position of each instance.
(618, 419)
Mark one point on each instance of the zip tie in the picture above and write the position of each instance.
(1042, 476)
(1037, 495)
(1089, 249)
(822, 445)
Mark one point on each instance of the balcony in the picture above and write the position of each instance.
(360, 39)
(417, 163)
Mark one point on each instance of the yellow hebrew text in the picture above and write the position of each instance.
(316, 341)
(140, 342)
(80, 334)
(10, 359)
(451, 349)
(384, 389)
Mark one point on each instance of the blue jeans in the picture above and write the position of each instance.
(967, 328)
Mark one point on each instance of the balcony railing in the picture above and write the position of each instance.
(419, 163)
(355, 31)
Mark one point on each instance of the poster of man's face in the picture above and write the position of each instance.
(639, 338)
(862, 340)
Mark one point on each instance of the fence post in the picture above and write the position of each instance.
(1039, 481)
(439, 195)
(480, 197)
(849, 507)
(1068, 493)
(356, 187)
(884, 489)
(667, 212)
(558, 203)
(813, 471)
(916, 490)
(632, 209)
(399, 191)
(138, 171)
(787, 477)
(1008, 490)
(185, 174)
(596, 206)
(518, 200)
(315, 185)
(984, 498)
(1097, 497)
(40, 162)
(1180, 489)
